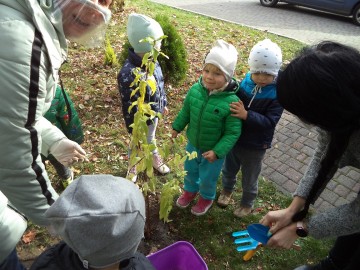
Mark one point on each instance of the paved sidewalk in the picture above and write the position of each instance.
(286, 162)
(293, 145)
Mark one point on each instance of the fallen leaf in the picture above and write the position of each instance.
(28, 237)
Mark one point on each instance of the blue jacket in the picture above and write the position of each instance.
(126, 77)
(264, 113)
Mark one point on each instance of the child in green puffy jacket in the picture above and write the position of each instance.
(63, 114)
(211, 130)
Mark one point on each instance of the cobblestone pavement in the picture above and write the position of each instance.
(294, 144)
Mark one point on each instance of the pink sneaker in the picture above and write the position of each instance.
(132, 174)
(159, 165)
(201, 207)
(185, 199)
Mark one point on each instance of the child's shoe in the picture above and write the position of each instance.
(242, 211)
(132, 175)
(185, 199)
(224, 198)
(201, 207)
(159, 165)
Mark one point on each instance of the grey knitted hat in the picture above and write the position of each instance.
(101, 217)
(265, 57)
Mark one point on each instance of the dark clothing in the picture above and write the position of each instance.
(62, 257)
(126, 77)
(12, 262)
(264, 113)
(345, 254)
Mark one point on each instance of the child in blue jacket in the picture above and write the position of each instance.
(140, 27)
(260, 111)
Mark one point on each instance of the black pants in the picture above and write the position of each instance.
(346, 252)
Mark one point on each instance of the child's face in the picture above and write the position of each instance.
(262, 79)
(213, 78)
(81, 16)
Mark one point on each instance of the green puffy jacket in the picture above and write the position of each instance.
(209, 120)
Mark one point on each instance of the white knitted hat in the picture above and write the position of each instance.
(139, 27)
(101, 217)
(224, 56)
(265, 57)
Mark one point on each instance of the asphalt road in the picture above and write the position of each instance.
(302, 24)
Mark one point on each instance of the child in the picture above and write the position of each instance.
(139, 27)
(100, 229)
(212, 131)
(260, 111)
(63, 114)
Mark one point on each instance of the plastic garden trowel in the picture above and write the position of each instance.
(244, 241)
(259, 232)
(250, 240)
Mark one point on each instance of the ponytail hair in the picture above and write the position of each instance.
(320, 86)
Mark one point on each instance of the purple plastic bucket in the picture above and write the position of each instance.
(179, 256)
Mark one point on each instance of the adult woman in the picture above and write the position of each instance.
(33, 46)
(321, 87)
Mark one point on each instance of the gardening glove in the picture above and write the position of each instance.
(67, 152)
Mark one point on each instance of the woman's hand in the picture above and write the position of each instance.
(277, 220)
(284, 238)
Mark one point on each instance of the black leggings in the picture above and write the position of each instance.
(346, 252)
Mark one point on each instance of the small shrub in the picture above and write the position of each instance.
(117, 6)
(174, 68)
(110, 56)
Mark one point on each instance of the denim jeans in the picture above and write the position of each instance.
(202, 175)
(12, 262)
(249, 161)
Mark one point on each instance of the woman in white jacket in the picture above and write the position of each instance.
(33, 45)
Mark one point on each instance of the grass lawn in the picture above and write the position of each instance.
(93, 88)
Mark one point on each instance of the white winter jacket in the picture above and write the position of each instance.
(32, 48)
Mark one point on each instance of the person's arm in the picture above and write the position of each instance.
(308, 179)
(183, 117)
(259, 121)
(231, 133)
(337, 221)
(125, 79)
(279, 219)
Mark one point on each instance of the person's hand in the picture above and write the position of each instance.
(67, 152)
(166, 110)
(284, 238)
(277, 220)
(238, 110)
(209, 156)
(174, 133)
